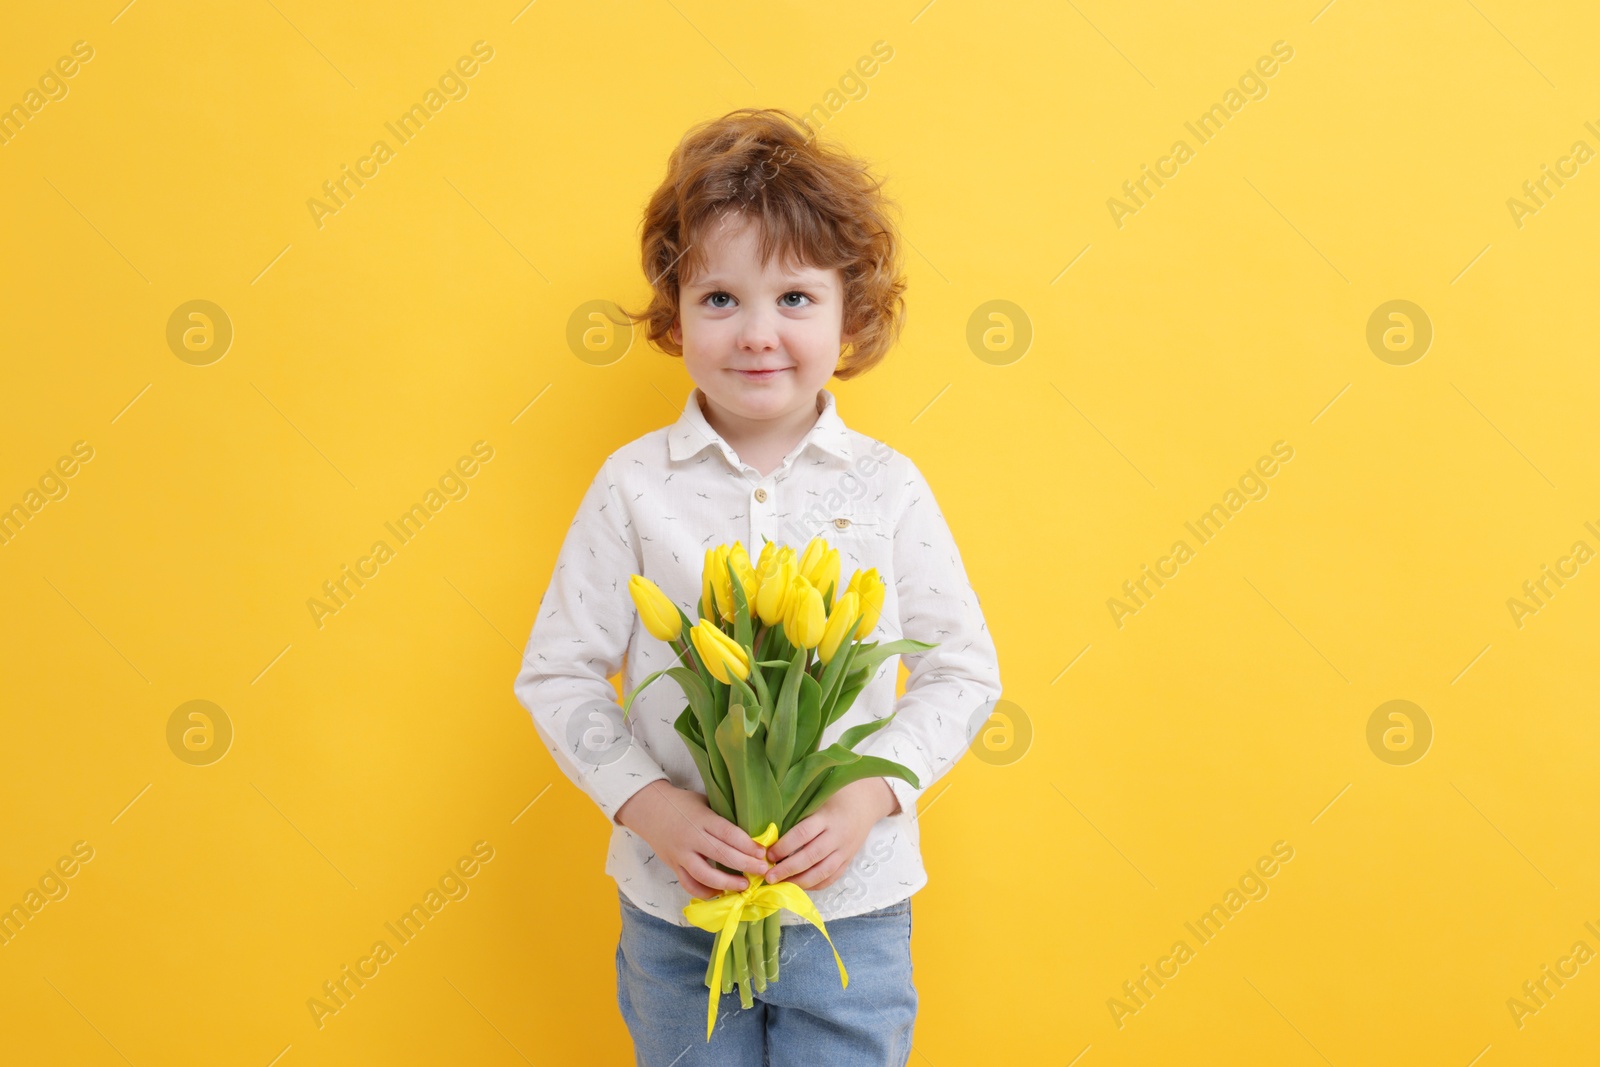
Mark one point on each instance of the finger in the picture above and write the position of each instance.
(694, 887)
(802, 832)
(800, 861)
(836, 869)
(712, 877)
(737, 840)
(724, 853)
(822, 874)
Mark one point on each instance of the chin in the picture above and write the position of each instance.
(760, 407)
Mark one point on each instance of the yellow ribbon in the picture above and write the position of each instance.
(722, 914)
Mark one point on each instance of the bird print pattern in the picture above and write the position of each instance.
(653, 508)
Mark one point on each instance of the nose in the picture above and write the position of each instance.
(758, 331)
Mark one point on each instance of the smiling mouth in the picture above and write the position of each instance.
(763, 375)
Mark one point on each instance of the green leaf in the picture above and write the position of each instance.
(803, 775)
(689, 726)
(698, 696)
(685, 624)
(741, 693)
(704, 706)
(873, 654)
(785, 719)
(715, 797)
(759, 681)
(856, 734)
(835, 672)
(742, 630)
(802, 780)
(808, 720)
(755, 792)
(627, 701)
(839, 777)
(854, 682)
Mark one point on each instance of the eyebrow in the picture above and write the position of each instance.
(815, 280)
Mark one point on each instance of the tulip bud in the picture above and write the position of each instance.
(721, 584)
(846, 611)
(806, 617)
(814, 551)
(824, 574)
(773, 595)
(656, 610)
(747, 575)
(870, 588)
(722, 655)
(708, 603)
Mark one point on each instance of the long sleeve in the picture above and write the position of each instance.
(578, 642)
(949, 684)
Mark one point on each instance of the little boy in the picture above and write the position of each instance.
(767, 253)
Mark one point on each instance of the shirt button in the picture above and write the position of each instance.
(761, 496)
(841, 523)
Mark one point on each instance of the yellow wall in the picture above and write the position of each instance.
(1169, 348)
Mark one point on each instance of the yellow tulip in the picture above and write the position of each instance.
(846, 610)
(716, 579)
(806, 618)
(721, 654)
(826, 575)
(784, 555)
(870, 588)
(708, 602)
(656, 609)
(747, 575)
(767, 558)
(773, 595)
(820, 566)
(814, 551)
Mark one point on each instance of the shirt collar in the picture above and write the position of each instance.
(692, 433)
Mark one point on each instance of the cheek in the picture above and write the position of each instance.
(710, 337)
(817, 367)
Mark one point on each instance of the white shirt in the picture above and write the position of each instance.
(655, 506)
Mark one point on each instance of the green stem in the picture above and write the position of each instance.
(741, 965)
(758, 954)
(774, 932)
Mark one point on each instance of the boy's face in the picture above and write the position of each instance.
(738, 316)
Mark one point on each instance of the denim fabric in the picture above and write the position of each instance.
(802, 1018)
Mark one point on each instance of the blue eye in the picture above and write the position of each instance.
(718, 293)
(796, 292)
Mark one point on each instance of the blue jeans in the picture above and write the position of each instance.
(802, 1018)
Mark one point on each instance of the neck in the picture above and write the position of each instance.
(760, 435)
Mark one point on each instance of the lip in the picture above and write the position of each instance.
(762, 375)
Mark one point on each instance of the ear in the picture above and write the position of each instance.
(675, 331)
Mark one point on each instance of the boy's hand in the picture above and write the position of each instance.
(690, 838)
(819, 848)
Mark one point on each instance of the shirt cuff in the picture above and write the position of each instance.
(613, 784)
(906, 793)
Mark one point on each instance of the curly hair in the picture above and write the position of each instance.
(814, 202)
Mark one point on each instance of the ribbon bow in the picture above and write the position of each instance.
(723, 913)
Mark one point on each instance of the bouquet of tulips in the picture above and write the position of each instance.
(771, 663)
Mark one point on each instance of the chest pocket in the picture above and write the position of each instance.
(860, 536)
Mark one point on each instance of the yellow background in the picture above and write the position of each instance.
(432, 311)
